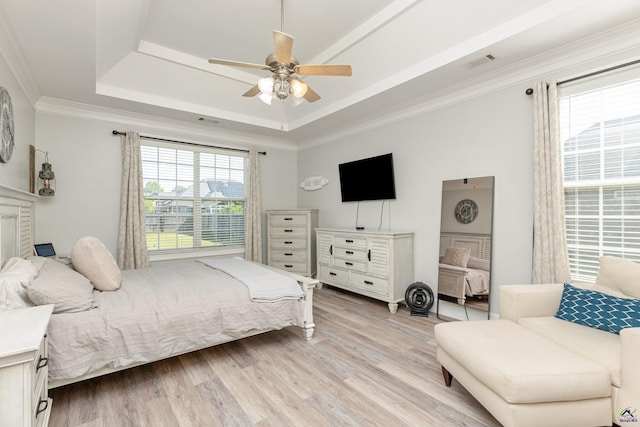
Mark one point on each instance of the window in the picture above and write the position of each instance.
(600, 130)
(194, 198)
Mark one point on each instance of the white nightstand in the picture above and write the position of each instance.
(24, 397)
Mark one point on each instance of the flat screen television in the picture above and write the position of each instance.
(368, 179)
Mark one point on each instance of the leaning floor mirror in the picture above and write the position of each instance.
(466, 234)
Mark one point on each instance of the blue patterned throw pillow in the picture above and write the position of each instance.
(598, 310)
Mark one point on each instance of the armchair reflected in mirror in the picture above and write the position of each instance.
(466, 235)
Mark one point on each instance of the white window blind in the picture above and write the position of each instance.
(600, 130)
(194, 198)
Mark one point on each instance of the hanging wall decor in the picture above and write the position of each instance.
(314, 183)
(6, 126)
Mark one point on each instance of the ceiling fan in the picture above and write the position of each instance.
(286, 71)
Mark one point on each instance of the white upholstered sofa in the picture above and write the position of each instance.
(533, 368)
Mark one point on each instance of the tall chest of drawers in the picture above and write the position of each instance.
(372, 263)
(24, 396)
(291, 242)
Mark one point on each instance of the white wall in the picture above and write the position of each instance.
(486, 136)
(16, 173)
(86, 160)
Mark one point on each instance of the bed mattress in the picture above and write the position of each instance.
(159, 312)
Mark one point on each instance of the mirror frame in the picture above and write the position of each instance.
(466, 222)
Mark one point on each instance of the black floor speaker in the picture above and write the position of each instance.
(419, 299)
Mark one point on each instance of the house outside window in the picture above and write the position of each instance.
(600, 130)
(194, 199)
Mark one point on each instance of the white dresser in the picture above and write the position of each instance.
(371, 263)
(291, 242)
(24, 397)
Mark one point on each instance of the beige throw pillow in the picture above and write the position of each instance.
(59, 284)
(456, 256)
(618, 277)
(91, 257)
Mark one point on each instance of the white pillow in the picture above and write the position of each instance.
(91, 257)
(479, 264)
(15, 273)
(59, 284)
(618, 277)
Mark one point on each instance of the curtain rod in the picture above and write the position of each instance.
(529, 91)
(116, 132)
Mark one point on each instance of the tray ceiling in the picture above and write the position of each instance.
(150, 57)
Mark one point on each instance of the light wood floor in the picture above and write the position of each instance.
(363, 367)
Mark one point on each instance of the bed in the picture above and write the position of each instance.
(464, 267)
(155, 313)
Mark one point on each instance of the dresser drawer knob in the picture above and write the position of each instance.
(367, 282)
(288, 243)
(349, 252)
(349, 241)
(288, 254)
(42, 362)
(348, 263)
(331, 273)
(288, 230)
(288, 219)
(288, 266)
(42, 406)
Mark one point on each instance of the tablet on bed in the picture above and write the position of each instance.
(44, 249)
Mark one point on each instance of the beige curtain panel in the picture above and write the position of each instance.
(550, 255)
(253, 212)
(132, 238)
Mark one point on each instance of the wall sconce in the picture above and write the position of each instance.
(46, 176)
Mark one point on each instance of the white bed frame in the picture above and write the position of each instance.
(452, 282)
(17, 211)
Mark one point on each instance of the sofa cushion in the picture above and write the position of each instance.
(520, 365)
(598, 310)
(600, 346)
(618, 277)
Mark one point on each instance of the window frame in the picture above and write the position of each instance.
(201, 251)
(611, 225)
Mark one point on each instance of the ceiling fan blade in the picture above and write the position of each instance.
(311, 95)
(282, 45)
(323, 70)
(252, 92)
(238, 64)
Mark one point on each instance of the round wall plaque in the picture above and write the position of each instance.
(466, 211)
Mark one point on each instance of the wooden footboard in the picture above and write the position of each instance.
(452, 283)
(308, 284)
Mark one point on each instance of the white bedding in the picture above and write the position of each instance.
(159, 312)
(263, 285)
(477, 282)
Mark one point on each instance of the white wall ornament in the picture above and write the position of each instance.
(313, 183)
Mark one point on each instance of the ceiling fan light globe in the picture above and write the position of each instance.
(295, 101)
(266, 85)
(266, 97)
(299, 88)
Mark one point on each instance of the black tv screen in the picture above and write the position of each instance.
(368, 179)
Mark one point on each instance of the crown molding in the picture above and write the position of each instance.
(611, 45)
(16, 63)
(189, 132)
